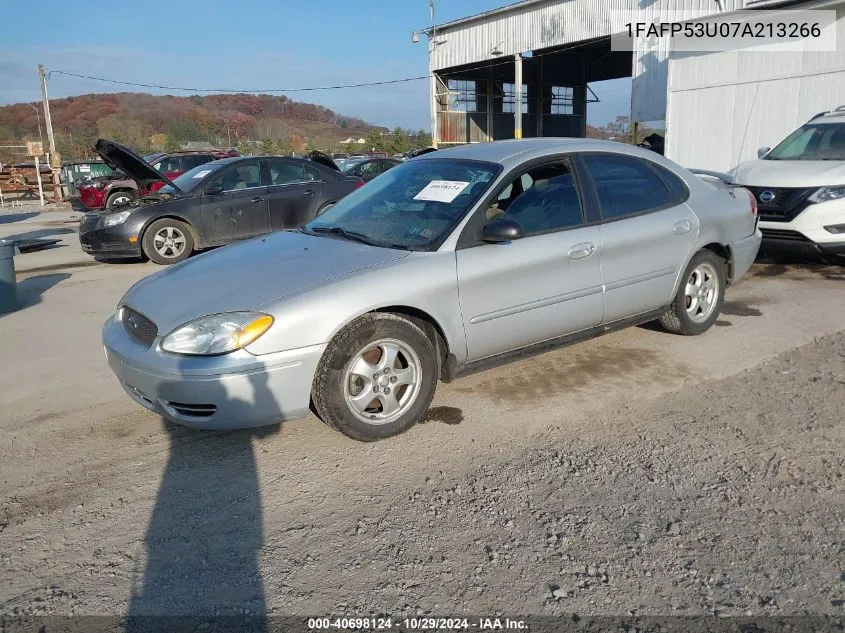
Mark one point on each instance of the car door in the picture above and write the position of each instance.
(239, 210)
(647, 231)
(295, 192)
(541, 286)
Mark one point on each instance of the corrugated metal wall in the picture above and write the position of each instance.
(723, 106)
(651, 58)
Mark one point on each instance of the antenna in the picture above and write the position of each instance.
(747, 123)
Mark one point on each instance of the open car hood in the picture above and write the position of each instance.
(124, 159)
(323, 159)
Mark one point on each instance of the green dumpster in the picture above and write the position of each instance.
(75, 171)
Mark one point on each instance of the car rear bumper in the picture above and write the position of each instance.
(744, 252)
(234, 391)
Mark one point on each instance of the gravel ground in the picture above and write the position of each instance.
(724, 497)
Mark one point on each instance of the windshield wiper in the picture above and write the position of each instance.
(336, 230)
(352, 235)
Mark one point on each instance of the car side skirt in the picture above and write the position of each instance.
(452, 370)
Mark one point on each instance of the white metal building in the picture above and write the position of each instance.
(723, 106)
(524, 69)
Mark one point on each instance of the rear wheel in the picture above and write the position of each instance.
(324, 208)
(376, 378)
(699, 299)
(167, 241)
(119, 198)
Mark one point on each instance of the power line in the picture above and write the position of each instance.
(445, 73)
(229, 90)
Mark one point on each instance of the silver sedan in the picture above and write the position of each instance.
(447, 264)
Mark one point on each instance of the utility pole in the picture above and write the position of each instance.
(55, 159)
(432, 76)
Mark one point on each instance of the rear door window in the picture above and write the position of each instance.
(626, 185)
(284, 172)
(171, 163)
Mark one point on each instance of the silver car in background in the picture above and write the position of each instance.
(447, 264)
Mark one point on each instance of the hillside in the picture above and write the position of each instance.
(149, 122)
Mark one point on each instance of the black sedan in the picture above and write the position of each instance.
(213, 204)
(369, 169)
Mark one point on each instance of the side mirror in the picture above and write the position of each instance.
(501, 230)
(213, 188)
(763, 151)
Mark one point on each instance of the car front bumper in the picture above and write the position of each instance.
(232, 391)
(109, 242)
(807, 233)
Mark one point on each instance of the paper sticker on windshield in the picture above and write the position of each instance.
(441, 190)
(202, 173)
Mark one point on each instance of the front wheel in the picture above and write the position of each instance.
(376, 378)
(119, 198)
(167, 241)
(700, 296)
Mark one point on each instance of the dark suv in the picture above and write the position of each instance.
(118, 189)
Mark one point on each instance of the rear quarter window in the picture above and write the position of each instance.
(677, 187)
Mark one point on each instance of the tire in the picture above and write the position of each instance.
(324, 208)
(693, 314)
(158, 249)
(338, 386)
(119, 198)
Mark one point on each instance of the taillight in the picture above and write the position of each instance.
(753, 202)
(360, 183)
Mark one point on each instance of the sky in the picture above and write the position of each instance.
(242, 45)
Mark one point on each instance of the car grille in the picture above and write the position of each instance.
(138, 326)
(89, 222)
(785, 206)
(783, 235)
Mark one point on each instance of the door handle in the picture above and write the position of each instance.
(682, 227)
(256, 199)
(580, 251)
(308, 192)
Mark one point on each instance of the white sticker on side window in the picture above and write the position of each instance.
(441, 190)
(202, 173)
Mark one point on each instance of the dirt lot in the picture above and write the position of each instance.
(638, 473)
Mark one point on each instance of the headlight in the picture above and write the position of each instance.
(217, 334)
(826, 194)
(115, 218)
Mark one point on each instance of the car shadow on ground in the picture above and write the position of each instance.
(205, 533)
(772, 265)
(38, 234)
(9, 218)
(31, 290)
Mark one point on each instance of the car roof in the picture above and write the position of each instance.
(837, 116)
(515, 151)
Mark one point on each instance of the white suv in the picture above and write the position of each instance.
(800, 187)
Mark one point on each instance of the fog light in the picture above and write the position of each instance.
(835, 228)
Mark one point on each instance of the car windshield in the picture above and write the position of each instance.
(814, 141)
(193, 177)
(151, 158)
(413, 206)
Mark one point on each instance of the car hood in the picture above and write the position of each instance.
(791, 173)
(323, 159)
(124, 159)
(248, 275)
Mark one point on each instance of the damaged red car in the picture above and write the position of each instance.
(117, 189)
